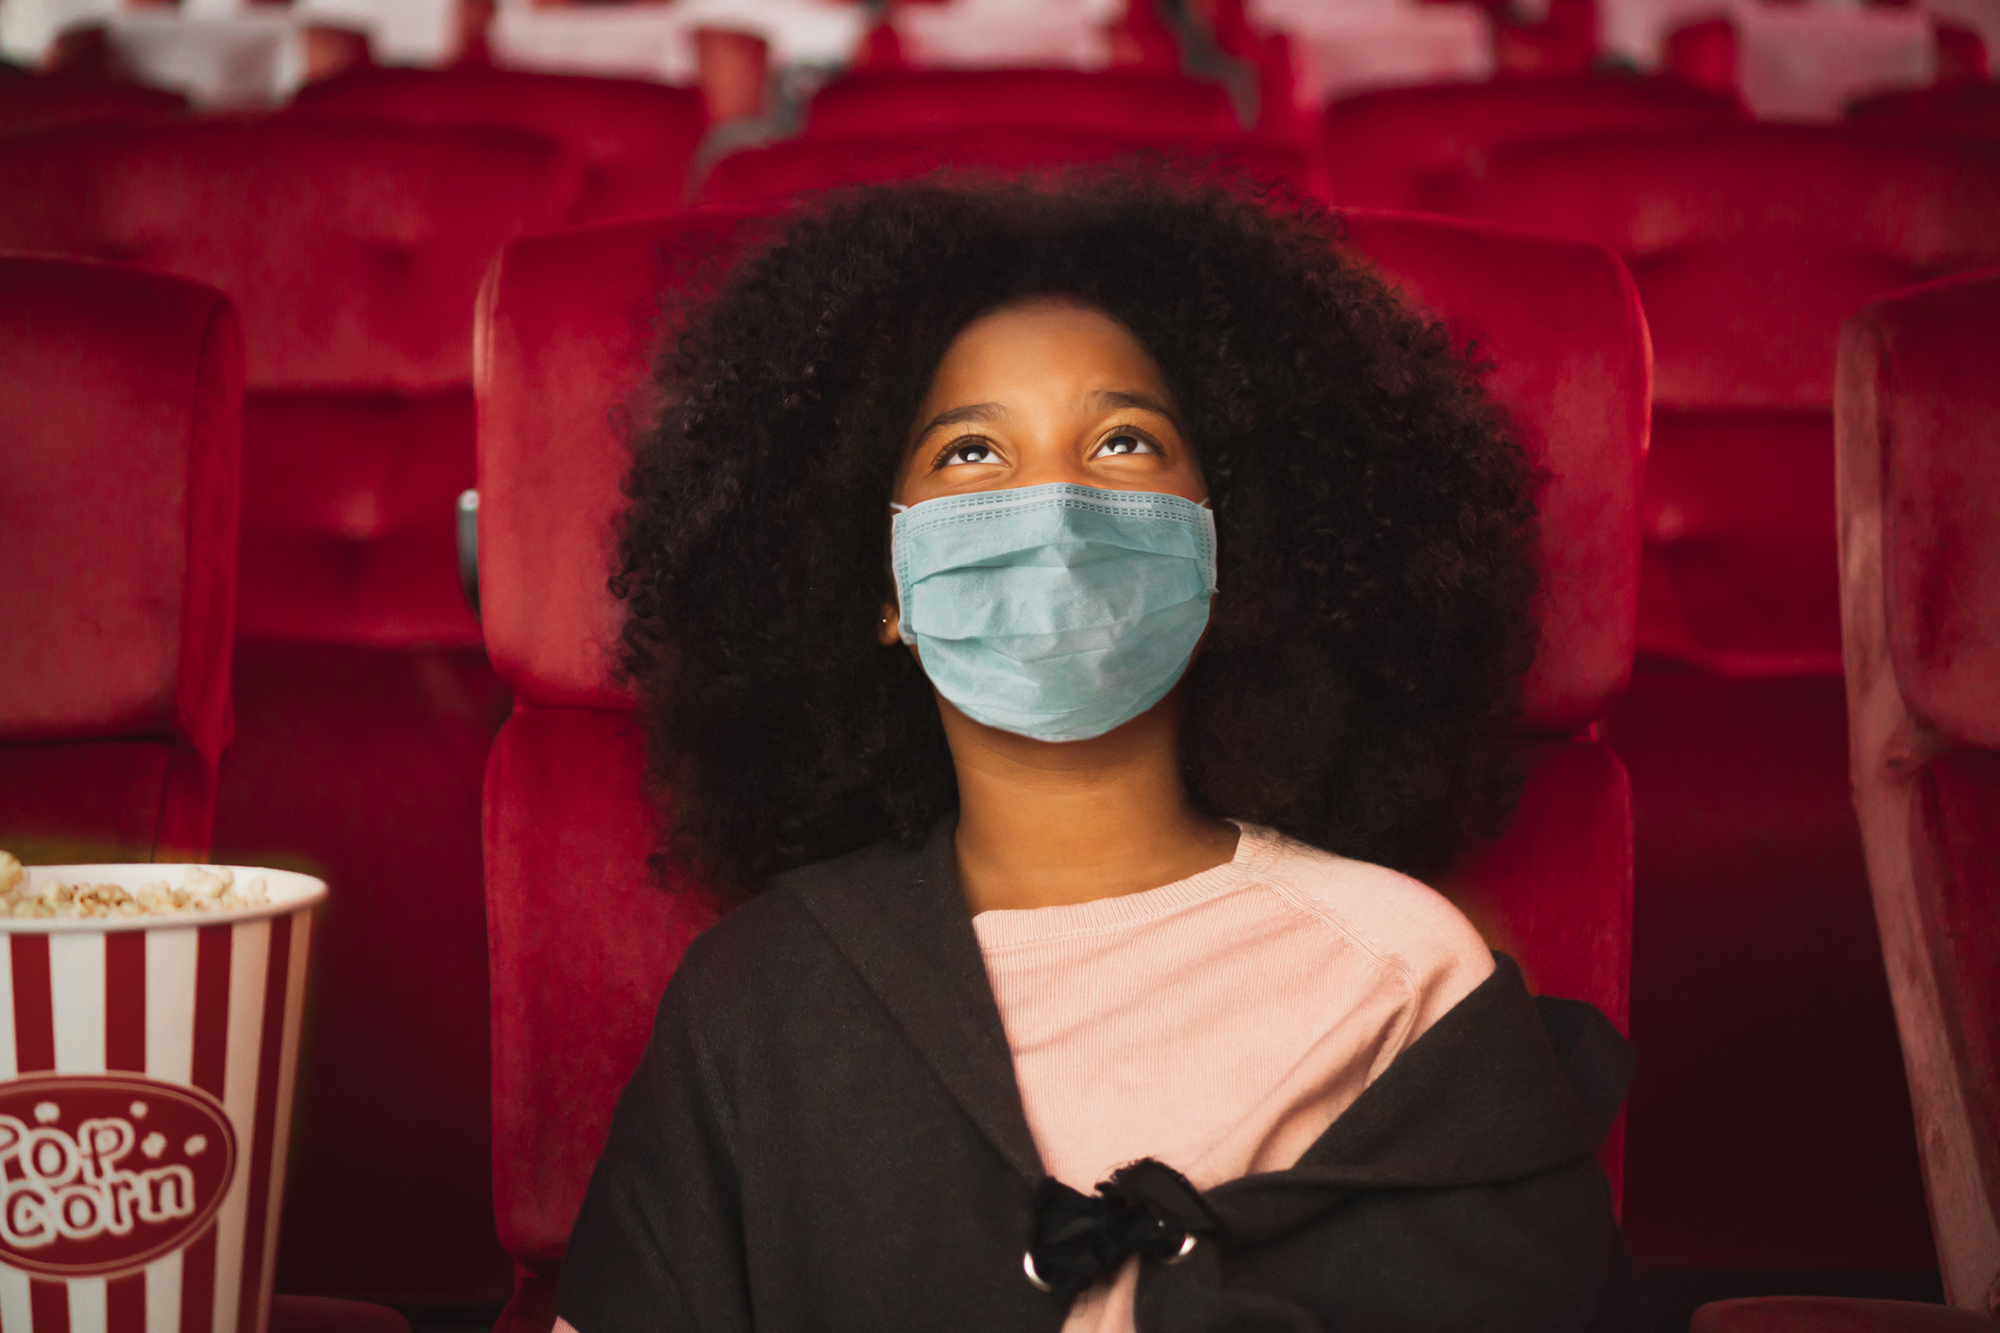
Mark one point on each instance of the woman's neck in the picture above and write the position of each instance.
(1044, 824)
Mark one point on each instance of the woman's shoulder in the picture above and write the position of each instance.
(777, 937)
(1384, 911)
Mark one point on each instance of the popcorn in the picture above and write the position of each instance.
(202, 889)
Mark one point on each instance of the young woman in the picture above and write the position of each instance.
(1070, 617)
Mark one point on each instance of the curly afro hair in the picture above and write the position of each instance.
(1375, 519)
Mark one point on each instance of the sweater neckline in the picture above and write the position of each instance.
(1256, 848)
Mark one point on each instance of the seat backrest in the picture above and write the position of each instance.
(1749, 245)
(758, 177)
(1919, 474)
(28, 105)
(582, 944)
(1964, 108)
(354, 253)
(1111, 101)
(635, 139)
(119, 464)
(1415, 148)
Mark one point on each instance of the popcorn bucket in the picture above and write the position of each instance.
(146, 1071)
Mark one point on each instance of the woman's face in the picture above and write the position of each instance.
(1047, 391)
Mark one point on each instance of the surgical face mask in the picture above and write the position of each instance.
(1058, 611)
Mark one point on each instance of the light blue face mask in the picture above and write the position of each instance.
(1058, 611)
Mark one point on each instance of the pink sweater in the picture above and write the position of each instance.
(1219, 1023)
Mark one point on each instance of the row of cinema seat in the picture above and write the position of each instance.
(562, 332)
(366, 704)
(563, 322)
(635, 141)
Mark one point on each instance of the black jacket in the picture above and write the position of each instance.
(824, 1134)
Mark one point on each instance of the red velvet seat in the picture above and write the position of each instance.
(771, 174)
(583, 943)
(53, 102)
(1115, 101)
(1749, 246)
(1919, 430)
(365, 704)
(353, 254)
(119, 460)
(635, 139)
(1771, 1046)
(1965, 108)
(321, 1314)
(1416, 147)
(1832, 1314)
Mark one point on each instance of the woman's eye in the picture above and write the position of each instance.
(967, 451)
(1124, 442)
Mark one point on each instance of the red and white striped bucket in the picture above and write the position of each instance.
(146, 1074)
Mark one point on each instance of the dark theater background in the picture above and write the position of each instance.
(322, 325)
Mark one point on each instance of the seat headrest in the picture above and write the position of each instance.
(1931, 201)
(1416, 147)
(565, 323)
(1750, 244)
(764, 177)
(1560, 323)
(563, 343)
(874, 101)
(1919, 408)
(352, 251)
(120, 454)
(634, 137)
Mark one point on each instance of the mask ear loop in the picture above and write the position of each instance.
(895, 509)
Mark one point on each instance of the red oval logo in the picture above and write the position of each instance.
(103, 1173)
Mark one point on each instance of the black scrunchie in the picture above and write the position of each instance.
(1147, 1208)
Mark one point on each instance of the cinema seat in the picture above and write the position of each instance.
(771, 174)
(1416, 148)
(1114, 101)
(582, 941)
(1919, 432)
(1747, 266)
(1964, 108)
(28, 105)
(120, 451)
(1829, 1314)
(1919, 485)
(1760, 998)
(353, 254)
(635, 139)
(323, 1314)
(364, 701)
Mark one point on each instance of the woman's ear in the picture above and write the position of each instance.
(890, 632)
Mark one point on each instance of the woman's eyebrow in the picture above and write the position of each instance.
(1143, 402)
(959, 415)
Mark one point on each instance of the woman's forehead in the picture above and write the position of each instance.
(1045, 346)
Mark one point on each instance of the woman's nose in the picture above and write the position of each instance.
(1048, 457)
